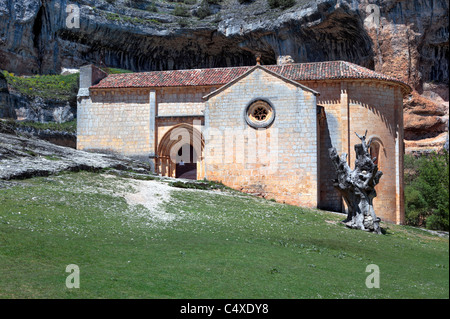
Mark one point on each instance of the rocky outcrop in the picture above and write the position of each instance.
(37, 39)
(15, 105)
(405, 39)
(36, 109)
(424, 118)
(61, 138)
(411, 43)
(22, 157)
(5, 110)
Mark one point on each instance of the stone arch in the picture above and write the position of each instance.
(182, 136)
(377, 150)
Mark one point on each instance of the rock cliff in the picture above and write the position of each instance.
(22, 156)
(406, 39)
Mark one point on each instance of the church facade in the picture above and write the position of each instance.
(264, 130)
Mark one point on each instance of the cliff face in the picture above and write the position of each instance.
(35, 38)
(411, 43)
(406, 39)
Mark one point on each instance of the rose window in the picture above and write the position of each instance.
(259, 114)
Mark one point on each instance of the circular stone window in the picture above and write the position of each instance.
(259, 114)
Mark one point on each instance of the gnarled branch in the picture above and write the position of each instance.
(357, 186)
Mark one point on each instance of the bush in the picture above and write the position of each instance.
(427, 191)
(205, 185)
(203, 11)
(151, 7)
(283, 4)
(181, 11)
(184, 22)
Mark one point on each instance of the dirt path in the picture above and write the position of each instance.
(151, 195)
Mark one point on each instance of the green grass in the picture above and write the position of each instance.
(60, 87)
(52, 158)
(220, 244)
(124, 18)
(116, 70)
(70, 126)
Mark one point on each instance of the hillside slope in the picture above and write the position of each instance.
(137, 235)
(145, 239)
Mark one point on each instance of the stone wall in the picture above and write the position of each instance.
(376, 107)
(181, 101)
(357, 106)
(277, 162)
(115, 121)
(330, 133)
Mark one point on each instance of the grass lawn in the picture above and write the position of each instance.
(198, 244)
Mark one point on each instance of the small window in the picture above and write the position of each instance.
(259, 114)
(375, 152)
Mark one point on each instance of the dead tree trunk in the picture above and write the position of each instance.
(357, 186)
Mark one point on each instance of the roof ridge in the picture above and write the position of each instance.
(197, 69)
(306, 71)
(227, 68)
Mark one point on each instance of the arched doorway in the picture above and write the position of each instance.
(186, 164)
(180, 153)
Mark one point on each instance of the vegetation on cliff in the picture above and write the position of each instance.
(59, 87)
(69, 127)
(115, 70)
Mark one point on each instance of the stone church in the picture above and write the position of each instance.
(264, 130)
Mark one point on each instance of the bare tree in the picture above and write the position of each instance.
(357, 186)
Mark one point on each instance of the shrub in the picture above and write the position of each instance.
(205, 185)
(181, 11)
(427, 191)
(203, 11)
(151, 7)
(183, 22)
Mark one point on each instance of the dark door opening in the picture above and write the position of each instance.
(186, 166)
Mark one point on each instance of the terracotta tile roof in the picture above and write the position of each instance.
(220, 76)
